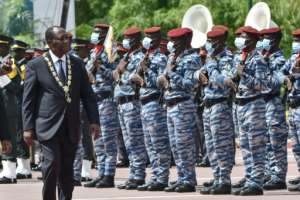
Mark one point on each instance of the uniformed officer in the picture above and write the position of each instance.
(251, 76)
(217, 115)
(101, 73)
(275, 111)
(290, 77)
(84, 153)
(126, 95)
(178, 83)
(154, 116)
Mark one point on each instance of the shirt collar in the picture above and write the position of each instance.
(55, 58)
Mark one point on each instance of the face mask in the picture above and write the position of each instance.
(147, 42)
(95, 38)
(126, 43)
(296, 47)
(209, 48)
(259, 46)
(266, 44)
(240, 43)
(170, 47)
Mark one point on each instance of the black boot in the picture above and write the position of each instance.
(143, 187)
(156, 186)
(133, 185)
(221, 189)
(171, 187)
(206, 190)
(86, 179)
(5, 180)
(209, 183)
(106, 182)
(123, 185)
(275, 185)
(185, 188)
(294, 181)
(239, 184)
(93, 183)
(294, 188)
(24, 176)
(251, 191)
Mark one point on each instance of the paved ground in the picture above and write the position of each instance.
(31, 189)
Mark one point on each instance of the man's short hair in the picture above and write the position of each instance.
(50, 33)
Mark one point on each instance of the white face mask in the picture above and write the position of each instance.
(209, 48)
(95, 38)
(126, 43)
(296, 47)
(170, 47)
(147, 42)
(266, 44)
(240, 43)
(259, 45)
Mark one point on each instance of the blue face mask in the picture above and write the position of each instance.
(296, 47)
(266, 44)
(170, 47)
(209, 48)
(95, 38)
(126, 44)
(147, 42)
(240, 43)
(259, 45)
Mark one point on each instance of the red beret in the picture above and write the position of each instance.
(177, 32)
(154, 29)
(270, 31)
(296, 32)
(132, 31)
(101, 26)
(247, 29)
(188, 31)
(222, 27)
(216, 33)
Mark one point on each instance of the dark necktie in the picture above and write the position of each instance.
(61, 73)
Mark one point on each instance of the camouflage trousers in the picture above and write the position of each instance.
(218, 129)
(181, 127)
(277, 134)
(294, 124)
(252, 126)
(154, 120)
(131, 125)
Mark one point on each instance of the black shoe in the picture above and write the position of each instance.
(122, 164)
(40, 178)
(155, 186)
(236, 191)
(143, 187)
(293, 188)
(133, 185)
(251, 191)
(221, 189)
(206, 190)
(86, 179)
(185, 188)
(239, 184)
(275, 185)
(294, 181)
(106, 182)
(209, 183)
(37, 168)
(204, 164)
(76, 183)
(93, 183)
(24, 176)
(123, 185)
(171, 187)
(5, 180)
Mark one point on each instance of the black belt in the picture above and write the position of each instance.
(294, 103)
(175, 101)
(150, 98)
(210, 102)
(244, 101)
(126, 99)
(103, 95)
(270, 96)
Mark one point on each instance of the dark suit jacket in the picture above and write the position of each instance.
(4, 131)
(44, 104)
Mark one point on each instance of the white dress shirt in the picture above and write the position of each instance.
(56, 63)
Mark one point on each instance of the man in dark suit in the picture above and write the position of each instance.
(55, 83)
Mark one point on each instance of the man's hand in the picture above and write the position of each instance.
(240, 70)
(116, 75)
(288, 83)
(162, 82)
(122, 66)
(95, 131)
(28, 137)
(229, 82)
(203, 79)
(137, 79)
(6, 146)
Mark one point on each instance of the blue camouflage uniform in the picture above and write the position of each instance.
(181, 114)
(251, 117)
(154, 119)
(217, 117)
(234, 104)
(294, 105)
(106, 145)
(276, 123)
(130, 119)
